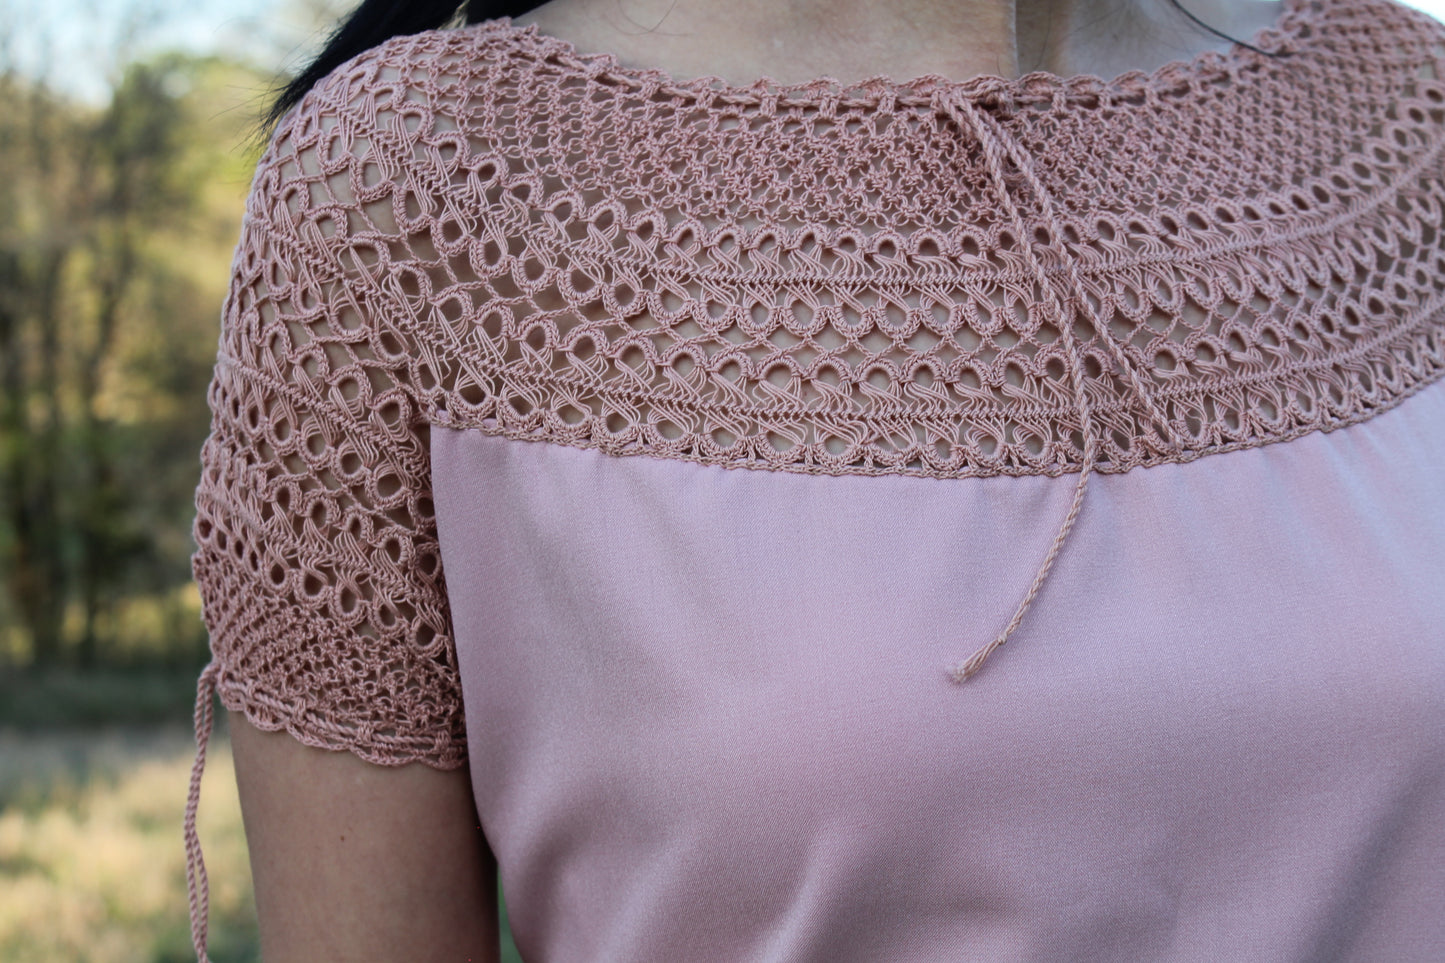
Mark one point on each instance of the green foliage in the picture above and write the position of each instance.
(117, 227)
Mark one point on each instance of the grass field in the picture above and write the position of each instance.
(92, 868)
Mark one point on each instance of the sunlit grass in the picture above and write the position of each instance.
(92, 865)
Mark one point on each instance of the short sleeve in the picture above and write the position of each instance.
(316, 556)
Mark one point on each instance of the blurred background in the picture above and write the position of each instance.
(128, 133)
(127, 142)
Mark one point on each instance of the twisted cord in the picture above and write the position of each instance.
(994, 142)
(200, 896)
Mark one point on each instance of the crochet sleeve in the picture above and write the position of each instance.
(316, 549)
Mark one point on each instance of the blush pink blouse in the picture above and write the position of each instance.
(996, 520)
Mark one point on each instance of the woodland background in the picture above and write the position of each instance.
(128, 136)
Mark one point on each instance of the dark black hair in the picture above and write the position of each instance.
(378, 20)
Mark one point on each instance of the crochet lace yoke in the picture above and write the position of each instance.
(483, 228)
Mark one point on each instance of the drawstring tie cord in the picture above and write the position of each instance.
(200, 897)
(994, 141)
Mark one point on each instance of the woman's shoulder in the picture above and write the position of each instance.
(406, 75)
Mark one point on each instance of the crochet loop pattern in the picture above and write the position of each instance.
(484, 229)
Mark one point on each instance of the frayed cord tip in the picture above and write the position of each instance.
(966, 669)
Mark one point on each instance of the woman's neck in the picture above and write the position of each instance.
(796, 40)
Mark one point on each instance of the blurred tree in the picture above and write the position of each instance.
(32, 260)
(117, 225)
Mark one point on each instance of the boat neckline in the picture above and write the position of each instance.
(1283, 36)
